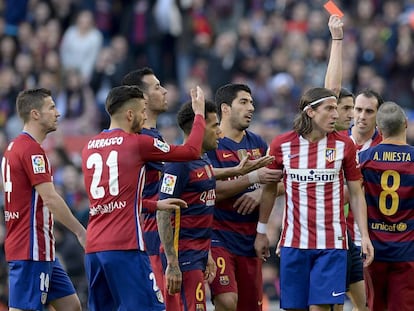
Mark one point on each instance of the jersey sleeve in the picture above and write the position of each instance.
(36, 165)
(174, 180)
(351, 166)
(154, 149)
(274, 150)
(150, 205)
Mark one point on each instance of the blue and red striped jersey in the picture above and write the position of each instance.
(388, 171)
(234, 231)
(153, 172)
(195, 183)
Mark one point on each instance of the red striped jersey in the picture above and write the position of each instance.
(350, 221)
(113, 165)
(29, 223)
(314, 181)
(388, 171)
(231, 230)
(153, 171)
(193, 182)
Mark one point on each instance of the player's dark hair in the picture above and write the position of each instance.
(369, 93)
(119, 96)
(303, 123)
(30, 99)
(227, 93)
(185, 116)
(345, 93)
(136, 78)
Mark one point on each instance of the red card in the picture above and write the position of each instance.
(331, 7)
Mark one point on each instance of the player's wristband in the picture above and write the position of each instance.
(253, 177)
(261, 228)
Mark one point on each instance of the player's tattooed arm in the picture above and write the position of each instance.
(173, 273)
(166, 234)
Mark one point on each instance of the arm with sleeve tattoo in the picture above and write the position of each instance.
(173, 273)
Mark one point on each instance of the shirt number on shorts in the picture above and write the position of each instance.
(44, 282)
(154, 282)
(200, 292)
(221, 264)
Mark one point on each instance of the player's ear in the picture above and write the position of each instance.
(225, 108)
(310, 112)
(130, 114)
(35, 114)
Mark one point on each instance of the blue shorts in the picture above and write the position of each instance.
(35, 283)
(311, 277)
(355, 265)
(122, 280)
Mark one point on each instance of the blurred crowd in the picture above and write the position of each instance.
(79, 49)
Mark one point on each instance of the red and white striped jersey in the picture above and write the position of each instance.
(29, 223)
(314, 175)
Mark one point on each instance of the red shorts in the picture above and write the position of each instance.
(192, 296)
(241, 275)
(390, 285)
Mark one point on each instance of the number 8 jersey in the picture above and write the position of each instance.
(388, 171)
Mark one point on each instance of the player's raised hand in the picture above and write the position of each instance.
(171, 204)
(246, 166)
(197, 100)
(335, 25)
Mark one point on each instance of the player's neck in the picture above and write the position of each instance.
(361, 138)
(120, 125)
(395, 140)
(151, 121)
(36, 133)
(230, 132)
(315, 135)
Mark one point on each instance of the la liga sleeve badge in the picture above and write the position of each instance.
(38, 164)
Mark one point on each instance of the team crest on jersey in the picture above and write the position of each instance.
(163, 146)
(224, 280)
(330, 154)
(38, 164)
(43, 298)
(199, 307)
(159, 296)
(168, 183)
(256, 153)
